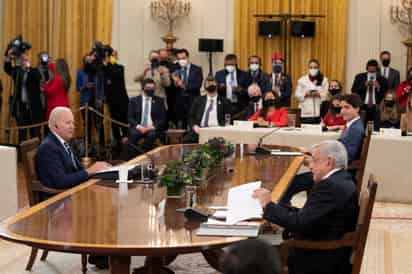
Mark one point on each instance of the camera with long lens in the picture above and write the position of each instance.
(18, 46)
(101, 51)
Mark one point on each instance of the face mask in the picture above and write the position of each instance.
(334, 91)
(336, 110)
(211, 88)
(230, 68)
(112, 60)
(254, 67)
(277, 68)
(313, 72)
(149, 92)
(389, 103)
(386, 62)
(44, 59)
(269, 103)
(164, 63)
(255, 99)
(371, 76)
(154, 63)
(183, 63)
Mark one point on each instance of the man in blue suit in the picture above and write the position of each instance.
(56, 165)
(233, 83)
(352, 139)
(188, 81)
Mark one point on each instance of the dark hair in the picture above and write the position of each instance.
(372, 63)
(230, 57)
(385, 52)
(337, 81)
(148, 81)
(257, 57)
(62, 69)
(316, 61)
(409, 70)
(180, 51)
(251, 256)
(266, 109)
(353, 99)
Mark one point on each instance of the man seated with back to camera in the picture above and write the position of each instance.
(147, 118)
(330, 211)
(352, 138)
(207, 111)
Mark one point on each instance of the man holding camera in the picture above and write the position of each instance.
(25, 103)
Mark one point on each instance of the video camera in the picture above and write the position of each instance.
(18, 46)
(101, 51)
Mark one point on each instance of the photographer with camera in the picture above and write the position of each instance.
(158, 72)
(25, 104)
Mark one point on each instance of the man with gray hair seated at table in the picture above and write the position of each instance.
(331, 210)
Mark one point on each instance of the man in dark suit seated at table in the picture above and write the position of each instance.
(56, 165)
(330, 211)
(147, 117)
(352, 139)
(207, 111)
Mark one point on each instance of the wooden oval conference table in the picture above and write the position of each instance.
(95, 218)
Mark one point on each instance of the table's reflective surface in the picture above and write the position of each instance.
(99, 216)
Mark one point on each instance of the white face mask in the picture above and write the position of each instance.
(254, 67)
(183, 63)
(313, 72)
(230, 68)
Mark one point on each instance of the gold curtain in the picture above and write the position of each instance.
(64, 28)
(328, 46)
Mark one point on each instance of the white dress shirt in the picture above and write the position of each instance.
(348, 124)
(213, 121)
(230, 85)
(373, 95)
(149, 116)
(385, 72)
(330, 173)
(60, 140)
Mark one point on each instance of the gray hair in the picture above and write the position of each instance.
(335, 150)
(55, 115)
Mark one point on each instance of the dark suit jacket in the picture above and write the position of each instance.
(198, 108)
(242, 81)
(352, 138)
(285, 89)
(359, 87)
(54, 166)
(33, 91)
(330, 211)
(158, 112)
(394, 79)
(116, 94)
(261, 79)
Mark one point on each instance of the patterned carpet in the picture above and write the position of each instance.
(388, 251)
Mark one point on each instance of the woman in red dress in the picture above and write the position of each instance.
(333, 120)
(404, 90)
(272, 114)
(57, 88)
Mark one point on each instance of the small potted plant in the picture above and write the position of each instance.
(175, 176)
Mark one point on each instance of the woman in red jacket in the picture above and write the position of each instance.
(333, 119)
(271, 114)
(404, 90)
(57, 88)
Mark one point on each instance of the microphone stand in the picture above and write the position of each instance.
(260, 150)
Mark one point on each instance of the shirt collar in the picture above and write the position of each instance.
(351, 122)
(333, 171)
(63, 142)
(211, 98)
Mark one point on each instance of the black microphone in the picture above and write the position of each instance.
(260, 150)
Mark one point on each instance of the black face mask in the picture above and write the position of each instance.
(386, 62)
(334, 91)
(335, 110)
(389, 103)
(164, 63)
(269, 103)
(211, 88)
(154, 63)
(149, 92)
(255, 99)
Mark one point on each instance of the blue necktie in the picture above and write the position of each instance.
(71, 155)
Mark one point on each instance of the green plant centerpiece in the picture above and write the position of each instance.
(196, 166)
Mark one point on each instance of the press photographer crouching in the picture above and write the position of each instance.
(24, 102)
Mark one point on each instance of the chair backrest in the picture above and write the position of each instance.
(28, 151)
(294, 117)
(363, 158)
(362, 115)
(366, 202)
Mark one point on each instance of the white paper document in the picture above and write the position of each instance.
(286, 153)
(241, 205)
(116, 168)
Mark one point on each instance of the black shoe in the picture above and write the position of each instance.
(101, 262)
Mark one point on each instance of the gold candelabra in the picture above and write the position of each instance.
(168, 12)
(401, 13)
